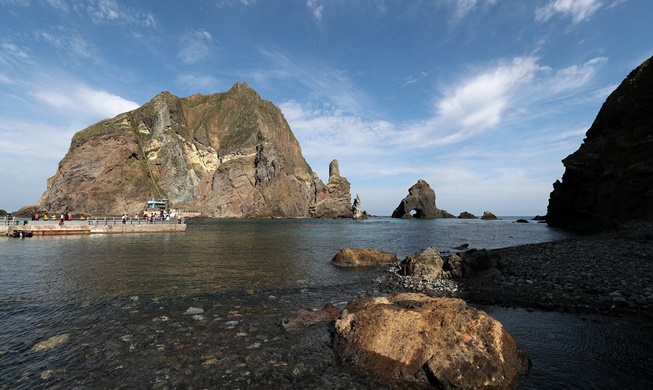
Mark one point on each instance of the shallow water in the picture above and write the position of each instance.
(120, 299)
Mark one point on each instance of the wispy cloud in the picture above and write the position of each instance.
(11, 53)
(465, 7)
(315, 8)
(196, 46)
(70, 42)
(323, 82)
(196, 82)
(577, 10)
(575, 76)
(112, 11)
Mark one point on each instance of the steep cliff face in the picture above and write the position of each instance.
(229, 154)
(609, 179)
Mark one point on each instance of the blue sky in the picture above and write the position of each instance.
(480, 98)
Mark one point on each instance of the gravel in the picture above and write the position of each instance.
(607, 273)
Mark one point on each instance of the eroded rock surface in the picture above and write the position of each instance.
(332, 200)
(412, 340)
(421, 200)
(229, 154)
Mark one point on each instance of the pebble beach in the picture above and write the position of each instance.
(608, 273)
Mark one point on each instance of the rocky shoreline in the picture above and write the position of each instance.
(607, 273)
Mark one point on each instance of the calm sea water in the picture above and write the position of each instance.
(116, 304)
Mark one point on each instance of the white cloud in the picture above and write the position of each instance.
(316, 9)
(575, 76)
(196, 46)
(475, 105)
(85, 102)
(577, 10)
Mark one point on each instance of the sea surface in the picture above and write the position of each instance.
(109, 311)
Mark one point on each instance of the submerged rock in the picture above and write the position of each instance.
(358, 257)
(412, 340)
(305, 318)
(50, 343)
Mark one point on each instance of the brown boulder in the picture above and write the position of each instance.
(358, 257)
(427, 263)
(412, 340)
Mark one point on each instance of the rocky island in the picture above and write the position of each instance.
(228, 155)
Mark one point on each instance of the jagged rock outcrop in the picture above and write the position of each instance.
(357, 209)
(609, 179)
(332, 200)
(421, 199)
(229, 154)
(415, 341)
(488, 216)
(467, 215)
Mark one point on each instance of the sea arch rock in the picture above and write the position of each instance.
(421, 200)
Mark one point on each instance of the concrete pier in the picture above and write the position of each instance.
(93, 226)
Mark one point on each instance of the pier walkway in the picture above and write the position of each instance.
(104, 225)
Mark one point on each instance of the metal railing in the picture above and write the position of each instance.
(15, 221)
(134, 221)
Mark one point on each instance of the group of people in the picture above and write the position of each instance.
(64, 217)
(163, 215)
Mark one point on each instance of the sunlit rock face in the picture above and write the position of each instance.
(409, 341)
(609, 179)
(229, 154)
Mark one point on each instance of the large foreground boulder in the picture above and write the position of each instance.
(609, 179)
(412, 340)
(421, 200)
(360, 257)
